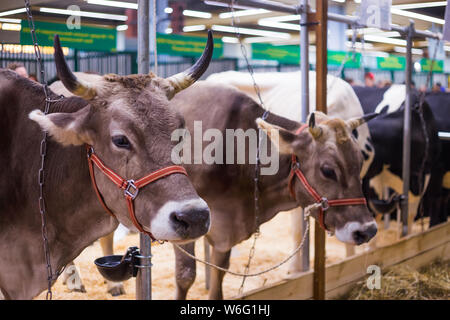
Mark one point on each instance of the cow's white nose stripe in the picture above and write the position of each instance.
(162, 228)
(345, 234)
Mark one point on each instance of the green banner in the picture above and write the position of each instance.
(179, 45)
(438, 65)
(283, 54)
(85, 38)
(391, 63)
(291, 55)
(335, 58)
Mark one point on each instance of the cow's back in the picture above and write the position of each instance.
(281, 92)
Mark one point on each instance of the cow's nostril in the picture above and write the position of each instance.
(179, 219)
(362, 236)
(359, 236)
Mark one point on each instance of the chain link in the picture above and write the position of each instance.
(234, 24)
(43, 152)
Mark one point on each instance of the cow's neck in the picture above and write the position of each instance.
(74, 219)
(274, 190)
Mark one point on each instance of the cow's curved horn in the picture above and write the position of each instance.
(184, 79)
(356, 122)
(315, 131)
(70, 81)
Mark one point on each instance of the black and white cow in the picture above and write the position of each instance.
(428, 166)
(436, 199)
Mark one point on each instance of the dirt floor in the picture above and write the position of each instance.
(273, 246)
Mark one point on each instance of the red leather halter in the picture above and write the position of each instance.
(324, 202)
(131, 187)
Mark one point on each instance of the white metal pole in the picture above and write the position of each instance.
(304, 67)
(407, 131)
(144, 276)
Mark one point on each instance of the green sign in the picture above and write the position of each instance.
(283, 54)
(391, 63)
(179, 45)
(85, 38)
(335, 58)
(291, 55)
(438, 65)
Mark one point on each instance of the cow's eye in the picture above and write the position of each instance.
(328, 173)
(121, 142)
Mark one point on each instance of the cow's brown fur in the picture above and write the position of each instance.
(74, 215)
(229, 189)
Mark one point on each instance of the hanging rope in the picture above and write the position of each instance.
(246, 274)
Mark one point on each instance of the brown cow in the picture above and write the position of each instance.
(328, 155)
(127, 121)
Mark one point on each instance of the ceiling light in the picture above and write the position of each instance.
(375, 38)
(259, 39)
(168, 30)
(10, 20)
(416, 16)
(230, 40)
(122, 27)
(242, 13)
(420, 5)
(194, 28)
(10, 12)
(87, 14)
(374, 31)
(117, 4)
(197, 14)
(291, 17)
(168, 10)
(359, 45)
(226, 5)
(280, 25)
(413, 50)
(253, 32)
(10, 26)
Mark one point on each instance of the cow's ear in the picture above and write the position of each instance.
(66, 128)
(284, 140)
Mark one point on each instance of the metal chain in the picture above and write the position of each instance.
(246, 274)
(43, 151)
(257, 164)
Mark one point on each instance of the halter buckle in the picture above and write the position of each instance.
(324, 203)
(131, 190)
(90, 151)
(295, 165)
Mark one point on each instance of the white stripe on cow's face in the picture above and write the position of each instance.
(162, 227)
(393, 98)
(347, 233)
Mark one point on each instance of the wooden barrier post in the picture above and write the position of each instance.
(321, 105)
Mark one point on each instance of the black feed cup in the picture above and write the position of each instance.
(118, 268)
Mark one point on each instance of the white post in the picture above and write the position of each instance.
(304, 67)
(407, 131)
(144, 276)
